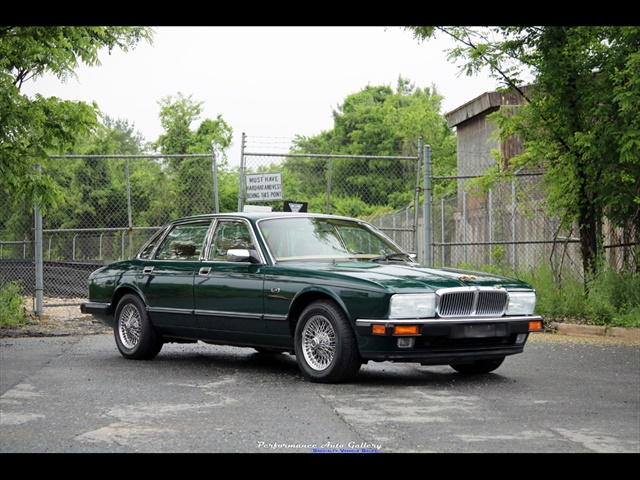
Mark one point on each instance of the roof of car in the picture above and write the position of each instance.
(259, 215)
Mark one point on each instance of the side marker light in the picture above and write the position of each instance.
(378, 329)
(535, 326)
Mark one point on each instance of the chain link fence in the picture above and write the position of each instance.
(354, 186)
(115, 203)
(507, 227)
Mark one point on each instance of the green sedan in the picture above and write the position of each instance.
(333, 291)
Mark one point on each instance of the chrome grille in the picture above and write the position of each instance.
(471, 301)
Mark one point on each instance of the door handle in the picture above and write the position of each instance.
(147, 270)
(204, 271)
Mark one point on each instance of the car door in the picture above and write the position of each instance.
(167, 279)
(228, 295)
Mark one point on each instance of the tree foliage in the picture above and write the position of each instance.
(377, 121)
(192, 176)
(581, 119)
(96, 188)
(33, 128)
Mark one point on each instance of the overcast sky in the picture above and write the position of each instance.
(269, 82)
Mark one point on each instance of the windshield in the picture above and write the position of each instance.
(327, 239)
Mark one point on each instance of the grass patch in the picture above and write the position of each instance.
(613, 298)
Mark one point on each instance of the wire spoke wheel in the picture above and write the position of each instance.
(130, 326)
(318, 342)
(325, 345)
(135, 336)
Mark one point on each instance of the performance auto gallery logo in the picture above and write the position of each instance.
(351, 447)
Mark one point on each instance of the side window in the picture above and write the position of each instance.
(146, 252)
(229, 234)
(184, 242)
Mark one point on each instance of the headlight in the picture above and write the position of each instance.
(521, 303)
(413, 306)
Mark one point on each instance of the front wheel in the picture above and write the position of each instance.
(135, 336)
(325, 345)
(480, 366)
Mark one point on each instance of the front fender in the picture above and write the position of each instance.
(353, 302)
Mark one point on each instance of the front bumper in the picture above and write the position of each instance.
(443, 341)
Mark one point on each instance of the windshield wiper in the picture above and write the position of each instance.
(393, 256)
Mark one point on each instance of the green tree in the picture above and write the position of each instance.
(176, 116)
(581, 119)
(377, 121)
(95, 188)
(151, 197)
(33, 128)
(192, 176)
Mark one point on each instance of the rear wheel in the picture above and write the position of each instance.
(135, 336)
(325, 345)
(480, 366)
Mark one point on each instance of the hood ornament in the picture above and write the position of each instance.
(465, 278)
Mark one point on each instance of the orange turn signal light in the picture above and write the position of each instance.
(535, 326)
(378, 329)
(405, 330)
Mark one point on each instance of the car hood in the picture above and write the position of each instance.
(411, 278)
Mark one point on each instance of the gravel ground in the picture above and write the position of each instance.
(53, 327)
(56, 321)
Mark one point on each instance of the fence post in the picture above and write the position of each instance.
(129, 213)
(427, 206)
(464, 225)
(416, 202)
(241, 176)
(554, 232)
(329, 174)
(513, 224)
(442, 229)
(38, 252)
(214, 168)
(490, 226)
(393, 225)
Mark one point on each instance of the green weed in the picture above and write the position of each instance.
(612, 299)
(11, 309)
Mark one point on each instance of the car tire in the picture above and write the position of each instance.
(480, 366)
(135, 336)
(325, 345)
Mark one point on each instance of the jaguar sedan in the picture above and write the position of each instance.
(333, 291)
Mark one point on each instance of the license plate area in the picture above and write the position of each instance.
(479, 330)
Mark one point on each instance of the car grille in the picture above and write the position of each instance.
(471, 301)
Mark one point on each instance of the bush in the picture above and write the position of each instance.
(11, 309)
(560, 297)
(613, 299)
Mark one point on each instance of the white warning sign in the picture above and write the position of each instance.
(295, 207)
(263, 187)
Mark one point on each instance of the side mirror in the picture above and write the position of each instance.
(242, 255)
